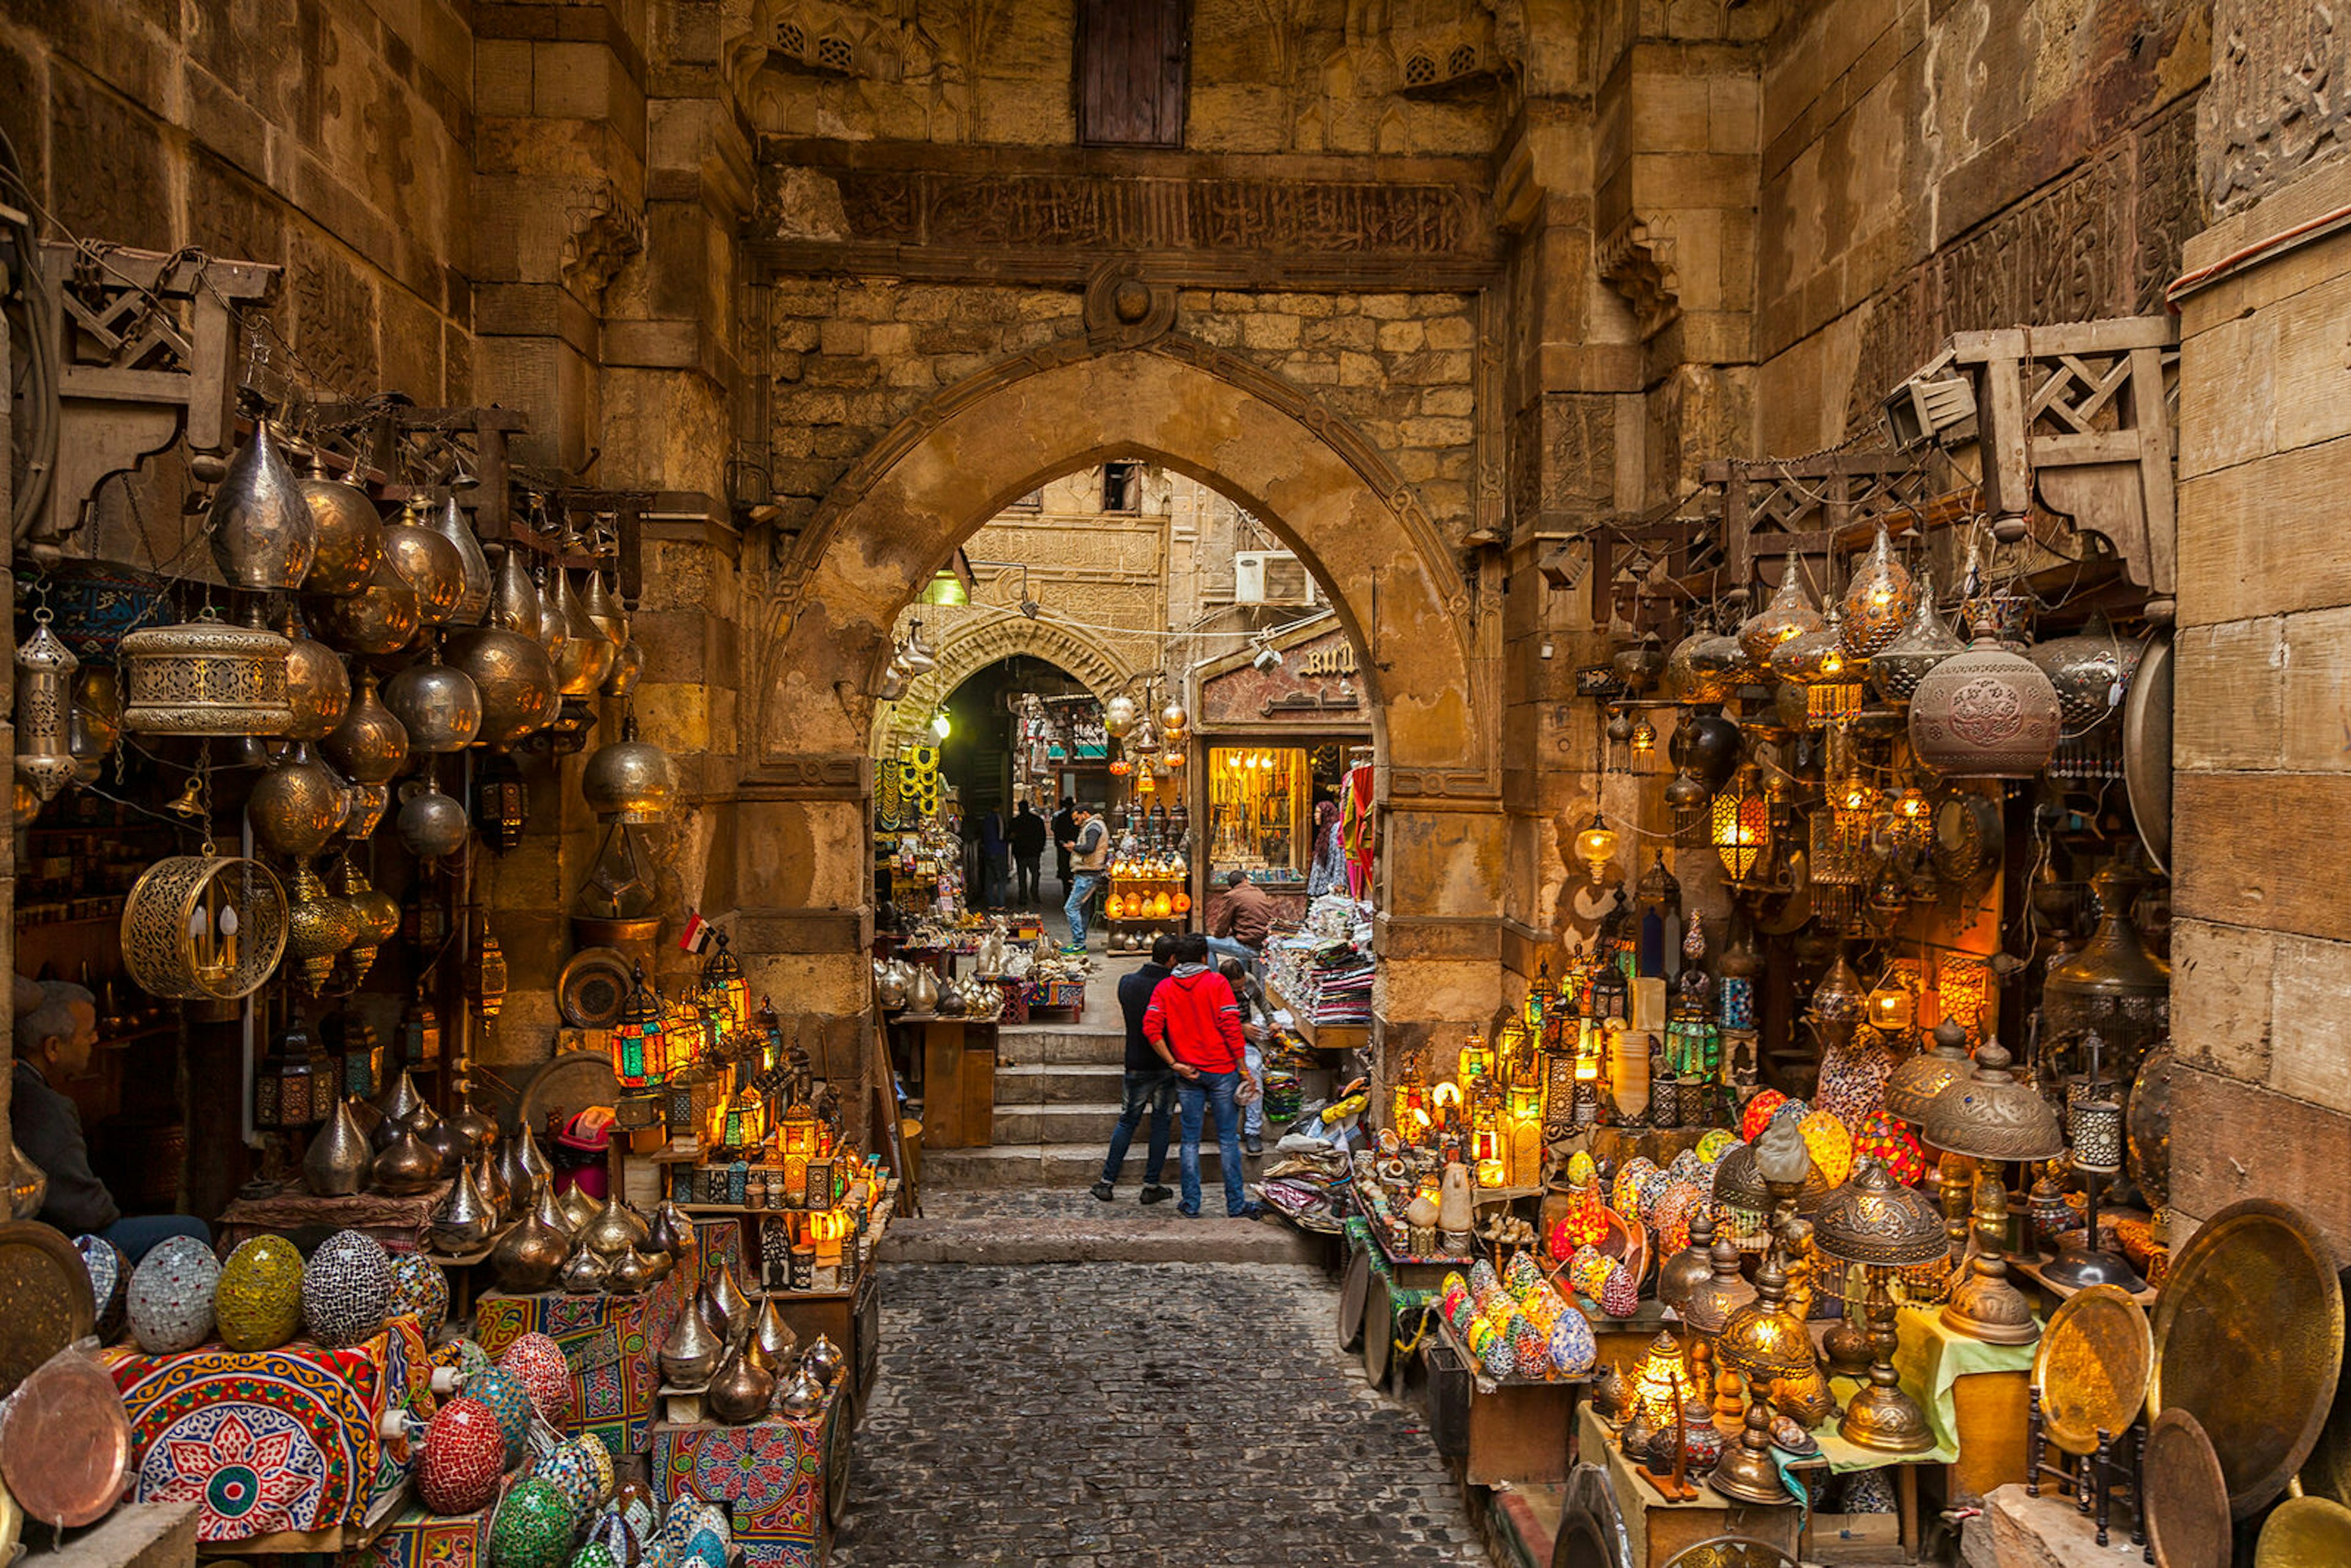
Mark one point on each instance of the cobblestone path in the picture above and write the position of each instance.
(1135, 1416)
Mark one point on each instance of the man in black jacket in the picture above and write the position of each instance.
(1065, 831)
(1148, 1084)
(1027, 849)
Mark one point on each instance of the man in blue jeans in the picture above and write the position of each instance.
(1194, 1022)
(1148, 1085)
(1088, 861)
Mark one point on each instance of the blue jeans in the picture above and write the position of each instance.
(994, 869)
(1225, 947)
(1082, 890)
(1253, 1113)
(1211, 1089)
(1154, 1091)
(134, 1234)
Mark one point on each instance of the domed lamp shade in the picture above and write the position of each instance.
(1766, 1344)
(1988, 1116)
(1790, 613)
(1817, 661)
(1596, 847)
(1876, 1221)
(1879, 600)
(1923, 643)
(1984, 714)
(1920, 1078)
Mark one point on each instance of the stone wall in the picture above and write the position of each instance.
(2260, 944)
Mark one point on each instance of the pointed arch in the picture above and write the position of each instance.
(976, 644)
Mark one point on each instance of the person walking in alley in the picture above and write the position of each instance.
(1241, 921)
(1194, 1022)
(1065, 829)
(1149, 1085)
(1256, 1029)
(1089, 852)
(994, 865)
(1027, 849)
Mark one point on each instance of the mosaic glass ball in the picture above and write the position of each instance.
(345, 1288)
(1521, 1276)
(1587, 1270)
(419, 1291)
(505, 1395)
(564, 1469)
(1831, 1146)
(1717, 1143)
(634, 1500)
(594, 1555)
(1581, 1171)
(1759, 1112)
(599, 1461)
(1684, 1201)
(533, 1528)
(539, 1362)
(1687, 1164)
(462, 1355)
(259, 1302)
(1884, 1138)
(170, 1301)
(109, 1283)
(1571, 1346)
(1624, 1193)
(1482, 1277)
(1620, 1296)
(465, 1454)
(658, 1554)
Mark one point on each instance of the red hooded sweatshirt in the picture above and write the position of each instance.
(1195, 1012)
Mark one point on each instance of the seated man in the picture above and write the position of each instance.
(1241, 922)
(53, 1044)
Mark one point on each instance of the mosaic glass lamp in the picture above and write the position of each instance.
(638, 1057)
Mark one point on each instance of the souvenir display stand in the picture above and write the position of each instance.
(782, 1478)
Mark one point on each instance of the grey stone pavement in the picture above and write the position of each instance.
(1135, 1416)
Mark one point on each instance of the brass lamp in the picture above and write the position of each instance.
(1989, 1117)
(1741, 822)
(1879, 1223)
(1707, 1309)
(1659, 1379)
(1917, 1080)
(1765, 1344)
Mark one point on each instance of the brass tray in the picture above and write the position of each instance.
(2306, 1532)
(569, 1086)
(2249, 1340)
(2327, 1472)
(2092, 1367)
(593, 988)
(46, 1287)
(65, 1450)
(2146, 751)
(2187, 1497)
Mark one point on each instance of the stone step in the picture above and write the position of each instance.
(1073, 1165)
(1119, 1232)
(1062, 1083)
(1047, 1123)
(1061, 1043)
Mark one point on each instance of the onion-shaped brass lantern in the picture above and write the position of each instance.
(1118, 716)
(1878, 600)
(2089, 669)
(204, 928)
(428, 563)
(628, 668)
(378, 914)
(1984, 714)
(2113, 985)
(370, 744)
(1817, 661)
(1765, 1342)
(437, 705)
(586, 656)
(448, 520)
(1790, 613)
(630, 781)
(1705, 667)
(1923, 643)
(204, 677)
(381, 618)
(317, 687)
(507, 663)
(296, 807)
(603, 609)
(263, 535)
(350, 532)
(318, 926)
(431, 824)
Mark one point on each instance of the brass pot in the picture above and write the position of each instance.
(431, 824)
(337, 1160)
(514, 678)
(691, 1353)
(428, 563)
(527, 1256)
(630, 780)
(370, 744)
(205, 678)
(407, 1164)
(296, 807)
(799, 1397)
(586, 656)
(464, 1219)
(583, 1271)
(825, 1362)
(437, 705)
(349, 533)
(262, 533)
(448, 520)
(380, 619)
(317, 687)
(741, 1391)
(612, 1230)
(476, 1131)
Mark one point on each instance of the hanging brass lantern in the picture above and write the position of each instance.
(370, 744)
(45, 668)
(2091, 669)
(204, 677)
(263, 535)
(630, 781)
(350, 532)
(500, 800)
(317, 687)
(603, 609)
(554, 626)
(1704, 668)
(318, 926)
(448, 520)
(437, 705)
(428, 563)
(1923, 643)
(1742, 824)
(628, 668)
(586, 656)
(431, 824)
(296, 807)
(507, 665)
(380, 619)
(1789, 613)
(204, 928)
(1118, 716)
(1878, 600)
(1984, 714)
(1817, 662)
(378, 914)
(96, 722)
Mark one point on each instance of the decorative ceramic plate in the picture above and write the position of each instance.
(593, 988)
(46, 1287)
(2092, 1367)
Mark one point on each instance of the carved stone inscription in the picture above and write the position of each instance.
(2276, 102)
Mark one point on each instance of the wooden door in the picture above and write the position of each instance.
(1131, 72)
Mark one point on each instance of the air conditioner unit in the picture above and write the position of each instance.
(1271, 577)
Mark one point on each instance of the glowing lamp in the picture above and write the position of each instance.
(797, 1130)
(940, 724)
(1830, 1146)
(1645, 738)
(723, 983)
(1477, 1059)
(1890, 1007)
(769, 1025)
(638, 1054)
(745, 1120)
(1659, 1380)
(828, 1228)
(946, 587)
(1741, 825)
(1596, 846)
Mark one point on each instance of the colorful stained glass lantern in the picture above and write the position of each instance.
(1742, 824)
(771, 1028)
(723, 983)
(639, 1056)
(797, 1129)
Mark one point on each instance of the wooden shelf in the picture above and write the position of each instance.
(113, 917)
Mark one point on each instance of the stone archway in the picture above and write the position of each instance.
(972, 647)
(1396, 582)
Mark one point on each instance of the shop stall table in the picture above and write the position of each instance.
(1655, 1526)
(782, 1480)
(1510, 1431)
(956, 1059)
(1400, 1286)
(397, 1222)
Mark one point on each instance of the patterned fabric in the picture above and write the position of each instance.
(263, 1440)
(420, 1540)
(611, 1341)
(769, 1476)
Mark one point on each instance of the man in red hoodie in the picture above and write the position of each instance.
(1194, 1022)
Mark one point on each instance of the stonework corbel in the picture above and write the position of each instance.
(1637, 260)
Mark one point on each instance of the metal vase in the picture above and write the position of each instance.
(448, 520)
(464, 1220)
(336, 1164)
(584, 1272)
(741, 1391)
(263, 534)
(691, 1353)
(527, 1256)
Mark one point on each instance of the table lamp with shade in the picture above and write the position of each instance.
(1989, 1117)
(2094, 1124)
(1884, 1226)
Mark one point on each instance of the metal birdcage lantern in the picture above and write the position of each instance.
(203, 927)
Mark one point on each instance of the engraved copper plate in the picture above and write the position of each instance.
(2249, 1340)
(593, 988)
(47, 1288)
(2092, 1367)
(65, 1448)
(569, 1086)
(2327, 1472)
(2187, 1497)
(2306, 1532)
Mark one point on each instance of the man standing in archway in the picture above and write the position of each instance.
(1027, 849)
(1065, 828)
(1089, 852)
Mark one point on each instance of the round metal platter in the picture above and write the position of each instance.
(2306, 1532)
(2249, 1340)
(65, 1450)
(1600, 1542)
(593, 988)
(570, 1085)
(2147, 751)
(1352, 1295)
(2092, 1367)
(1379, 1333)
(46, 1287)
(2188, 1519)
